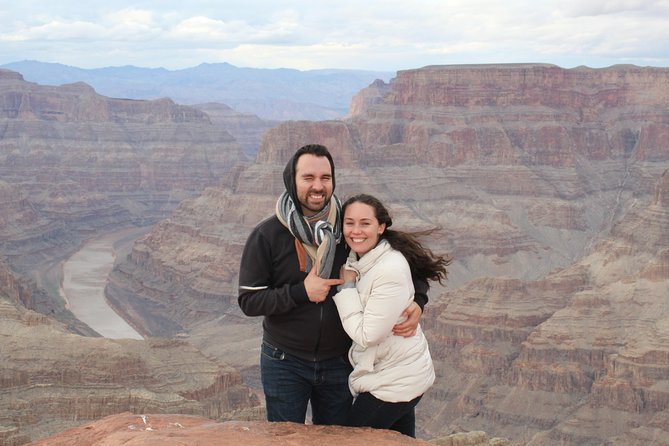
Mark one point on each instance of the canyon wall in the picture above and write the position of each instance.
(72, 164)
(549, 187)
(51, 379)
(578, 357)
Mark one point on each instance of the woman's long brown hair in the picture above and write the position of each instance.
(423, 262)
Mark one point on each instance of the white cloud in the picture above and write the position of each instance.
(206, 29)
(56, 31)
(214, 31)
(131, 17)
(612, 7)
(379, 35)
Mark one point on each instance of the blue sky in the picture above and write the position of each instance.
(384, 35)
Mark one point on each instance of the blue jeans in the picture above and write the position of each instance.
(370, 411)
(290, 383)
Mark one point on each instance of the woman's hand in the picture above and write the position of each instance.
(348, 275)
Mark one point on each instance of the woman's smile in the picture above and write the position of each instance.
(361, 228)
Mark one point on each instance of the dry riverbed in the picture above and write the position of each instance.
(85, 277)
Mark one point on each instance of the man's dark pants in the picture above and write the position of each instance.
(290, 383)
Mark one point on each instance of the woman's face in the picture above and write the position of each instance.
(361, 228)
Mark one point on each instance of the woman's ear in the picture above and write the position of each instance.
(382, 228)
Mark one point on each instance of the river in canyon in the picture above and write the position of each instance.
(84, 279)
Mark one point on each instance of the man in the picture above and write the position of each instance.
(288, 274)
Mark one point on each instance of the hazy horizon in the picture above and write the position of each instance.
(371, 36)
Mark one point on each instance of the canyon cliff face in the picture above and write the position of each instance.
(579, 357)
(247, 129)
(549, 186)
(51, 379)
(72, 164)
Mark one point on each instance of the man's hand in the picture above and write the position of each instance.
(408, 327)
(318, 288)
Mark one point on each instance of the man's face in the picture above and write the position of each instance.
(313, 181)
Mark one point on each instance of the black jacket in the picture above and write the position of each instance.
(271, 285)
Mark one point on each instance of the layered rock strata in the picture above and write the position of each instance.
(247, 129)
(73, 162)
(85, 146)
(51, 379)
(579, 357)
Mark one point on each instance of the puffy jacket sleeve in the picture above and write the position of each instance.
(370, 324)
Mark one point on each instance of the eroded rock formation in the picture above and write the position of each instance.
(51, 379)
(579, 357)
(246, 128)
(73, 162)
(173, 430)
(81, 144)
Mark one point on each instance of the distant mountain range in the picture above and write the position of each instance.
(274, 94)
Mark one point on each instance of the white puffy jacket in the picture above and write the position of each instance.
(392, 368)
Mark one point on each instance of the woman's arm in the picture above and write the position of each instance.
(369, 325)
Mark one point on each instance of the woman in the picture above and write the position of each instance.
(390, 373)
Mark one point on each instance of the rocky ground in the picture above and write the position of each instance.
(176, 430)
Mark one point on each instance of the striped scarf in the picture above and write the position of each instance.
(316, 236)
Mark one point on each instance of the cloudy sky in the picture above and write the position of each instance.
(383, 35)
